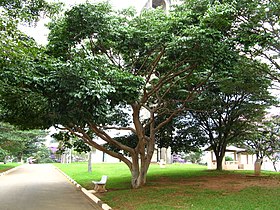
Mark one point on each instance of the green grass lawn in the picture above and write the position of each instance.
(175, 187)
(5, 167)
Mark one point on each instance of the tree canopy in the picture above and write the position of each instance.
(259, 36)
(27, 11)
(20, 55)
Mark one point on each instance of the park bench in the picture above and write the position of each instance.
(99, 186)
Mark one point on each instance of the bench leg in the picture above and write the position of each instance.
(100, 188)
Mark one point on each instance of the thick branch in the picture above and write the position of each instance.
(119, 128)
(140, 132)
(103, 135)
(87, 139)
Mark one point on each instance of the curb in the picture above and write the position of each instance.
(87, 193)
(9, 171)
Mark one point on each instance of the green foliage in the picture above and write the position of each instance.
(42, 155)
(67, 141)
(28, 10)
(85, 21)
(227, 158)
(194, 157)
(3, 154)
(92, 84)
(260, 31)
(19, 143)
(20, 61)
(73, 93)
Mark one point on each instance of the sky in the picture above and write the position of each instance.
(40, 32)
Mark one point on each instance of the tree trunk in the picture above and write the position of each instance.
(139, 171)
(137, 180)
(138, 177)
(143, 152)
(274, 165)
(21, 159)
(258, 165)
(89, 161)
(219, 163)
(219, 150)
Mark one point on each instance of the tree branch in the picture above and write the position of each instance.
(103, 135)
(89, 141)
(119, 128)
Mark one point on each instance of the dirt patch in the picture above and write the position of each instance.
(228, 182)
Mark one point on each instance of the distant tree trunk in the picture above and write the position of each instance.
(21, 158)
(69, 156)
(274, 165)
(90, 161)
(220, 153)
(258, 165)
(219, 163)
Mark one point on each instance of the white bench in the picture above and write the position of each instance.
(99, 186)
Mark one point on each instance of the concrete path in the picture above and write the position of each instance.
(40, 187)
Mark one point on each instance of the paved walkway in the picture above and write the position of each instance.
(40, 187)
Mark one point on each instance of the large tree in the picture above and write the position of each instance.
(235, 98)
(101, 63)
(145, 58)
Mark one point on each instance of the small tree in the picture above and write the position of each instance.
(275, 158)
(233, 101)
(265, 142)
(20, 143)
(71, 142)
(193, 157)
